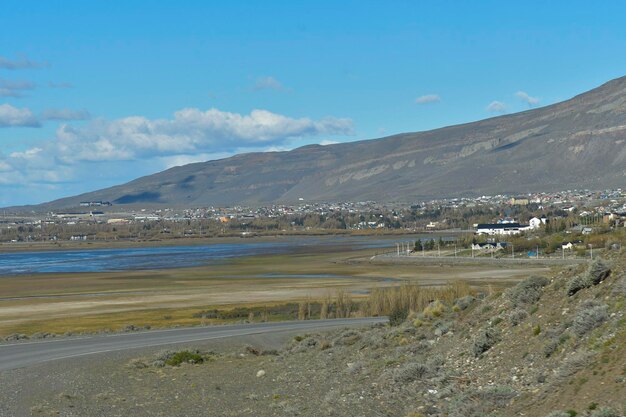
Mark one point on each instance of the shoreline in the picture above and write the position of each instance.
(17, 247)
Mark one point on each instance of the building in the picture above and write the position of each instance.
(501, 229)
(537, 222)
(518, 201)
(489, 247)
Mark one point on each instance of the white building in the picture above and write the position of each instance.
(501, 229)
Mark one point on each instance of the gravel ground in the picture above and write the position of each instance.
(529, 351)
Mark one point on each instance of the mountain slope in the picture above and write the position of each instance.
(578, 143)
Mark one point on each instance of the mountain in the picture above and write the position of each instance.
(578, 143)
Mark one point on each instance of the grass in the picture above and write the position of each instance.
(414, 297)
(92, 302)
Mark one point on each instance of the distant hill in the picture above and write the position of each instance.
(578, 143)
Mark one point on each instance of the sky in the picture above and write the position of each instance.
(94, 94)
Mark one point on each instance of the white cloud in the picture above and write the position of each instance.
(328, 142)
(20, 63)
(191, 135)
(15, 88)
(178, 160)
(190, 131)
(531, 101)
(27, 154)
(268, 83)
(33, 166)
(65, 114)
(428, 98)
(15, 117)
(496, 107)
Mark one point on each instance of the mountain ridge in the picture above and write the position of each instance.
(577, 143)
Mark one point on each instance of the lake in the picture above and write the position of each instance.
(163, 257)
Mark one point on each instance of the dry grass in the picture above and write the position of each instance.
(413, 297)
(59, 303)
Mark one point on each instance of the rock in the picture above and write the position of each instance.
(260, 374)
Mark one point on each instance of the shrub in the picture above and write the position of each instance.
(606, 412)
(442, 327)
(398, 315)
(517, 316)
(551, 347)
(481, 402)
(485, 341)
(434, 309)
(573, 364)
(347, 338)
(597, 272)
(410, 372)
(528, 291)
(184, 356)
(590, 315)
(464, 302)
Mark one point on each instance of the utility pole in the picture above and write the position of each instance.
(591, 246)
(512, 251)
(398, 249)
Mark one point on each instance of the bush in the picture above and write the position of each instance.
(184, 356)
(398, 315)
(606, 412)
(464, 302)
(573, 364)
(590, 315)
(517, 316)
(481, 402)
(410, 372)
(550, 348)
(485, 341)
(597, 272)
(442, 327)
(434, 309)
(528, 291)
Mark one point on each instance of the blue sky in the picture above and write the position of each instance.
(94, 94)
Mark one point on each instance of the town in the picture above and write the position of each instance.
(546, 222)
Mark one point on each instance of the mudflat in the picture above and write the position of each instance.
(88, 302)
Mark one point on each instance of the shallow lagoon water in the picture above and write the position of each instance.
(164, 257)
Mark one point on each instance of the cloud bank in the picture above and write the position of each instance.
(15, 117)
(188, 134)
(16, 89)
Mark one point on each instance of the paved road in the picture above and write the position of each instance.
(23, 354)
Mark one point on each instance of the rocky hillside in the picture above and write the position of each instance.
(552, 346)
(579, 143)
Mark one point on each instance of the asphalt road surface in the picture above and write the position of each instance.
(24, 354)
